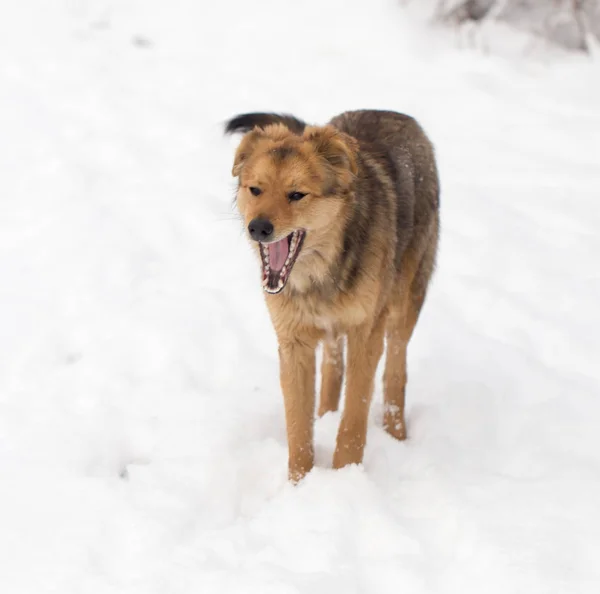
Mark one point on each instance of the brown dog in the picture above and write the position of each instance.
(344, 218)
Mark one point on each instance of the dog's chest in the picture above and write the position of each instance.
(328, 316)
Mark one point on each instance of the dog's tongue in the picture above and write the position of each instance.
(278, 253)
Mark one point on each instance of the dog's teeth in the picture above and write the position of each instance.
(280, 283)
(283, 270)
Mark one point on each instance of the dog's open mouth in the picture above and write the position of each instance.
(278, 258)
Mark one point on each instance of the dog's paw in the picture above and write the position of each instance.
(296, 474)
(394, 426)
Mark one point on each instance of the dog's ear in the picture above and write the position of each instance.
(337, 149)
(245, 149)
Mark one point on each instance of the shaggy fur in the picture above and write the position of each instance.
(353, 206)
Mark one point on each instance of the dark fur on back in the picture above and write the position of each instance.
(394, 149)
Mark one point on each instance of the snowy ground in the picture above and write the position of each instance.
(142, 444)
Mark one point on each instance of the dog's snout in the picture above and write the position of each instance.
(260, 229)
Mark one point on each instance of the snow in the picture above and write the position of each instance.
(142, 439)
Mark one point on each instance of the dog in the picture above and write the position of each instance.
(344, 219)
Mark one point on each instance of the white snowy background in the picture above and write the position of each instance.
(142, 439)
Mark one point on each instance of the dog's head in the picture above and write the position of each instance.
(293, 188)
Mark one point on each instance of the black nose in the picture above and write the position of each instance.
(260, 229)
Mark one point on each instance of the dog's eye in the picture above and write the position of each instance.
(296, 196)
(255, 191)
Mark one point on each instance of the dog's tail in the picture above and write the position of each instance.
(247, 121)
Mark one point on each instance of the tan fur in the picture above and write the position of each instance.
(332, 373)
(385, 299)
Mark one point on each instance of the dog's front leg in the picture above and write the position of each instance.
(365, 346)
(297, 374)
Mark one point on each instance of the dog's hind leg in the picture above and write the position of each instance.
(365, 346)
(332, 373)
(404, 313)
(401, 323)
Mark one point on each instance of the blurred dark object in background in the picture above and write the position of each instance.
(571, 24)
